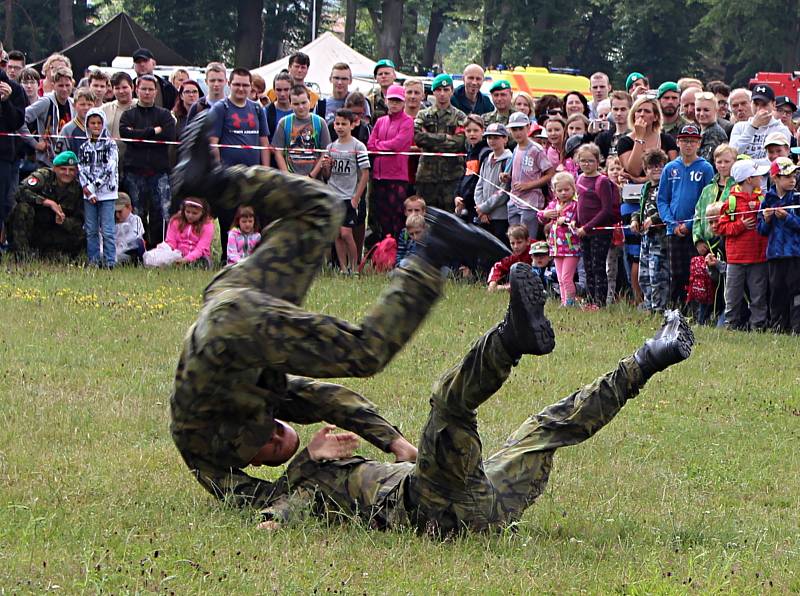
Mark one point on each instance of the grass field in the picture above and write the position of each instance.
(693, 488)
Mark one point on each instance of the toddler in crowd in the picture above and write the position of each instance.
(614, 170)
(129, 231)
(542, 264)
(519, 239)
(243, 237)
(745, 248)
(781, 224)
(564, 246)
(413, 205)
(415, 227)
(191, 231)
(653, 260)
(98, 174)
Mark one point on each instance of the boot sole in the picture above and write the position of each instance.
(527, 294)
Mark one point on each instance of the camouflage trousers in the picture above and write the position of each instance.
(453, 488)
(439, 194)
(654, 272)
(32, 227)
(236, 371)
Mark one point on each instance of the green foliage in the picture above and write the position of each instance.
(691, 489)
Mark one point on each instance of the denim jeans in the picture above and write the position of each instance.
(151, 198)
(99, 221)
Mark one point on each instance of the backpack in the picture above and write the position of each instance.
(701, 287)
(382, 256)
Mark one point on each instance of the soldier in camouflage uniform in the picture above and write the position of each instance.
(48, 217)
(501, 97)
(385, 75)
(451, 488)
(440, 129)
(235, 374)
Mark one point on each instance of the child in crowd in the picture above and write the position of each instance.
(632, 242)
(613, 170)
(347, 166)
(490, 199)
(653, 261)
(781, 225)
(413, 205)
(598, 211)
(74, 133)
(243, 237)
(564, 246)
(99, 177)
(191, 231)
(530, 171)
(300, 135)
(520, 242)
(745, 248)
(415, 227)
(129, 231)
(542, 265)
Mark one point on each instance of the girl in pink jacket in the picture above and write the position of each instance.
(190, 232)
(565, 246)
(393, 132)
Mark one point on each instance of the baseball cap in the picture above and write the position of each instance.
(783, 100)
(65, 158)
(762, 92)
(143, 54)
(667, 86)
(632, 78)
(123, 200)
(746, 168)
(776, 138)
(540, 248)
(495, 129)
(499, 86)
(442, 80)
(384, 63)
(690, 131)
(571, 144)
(396, 92)
(783, 166)
(518, 120)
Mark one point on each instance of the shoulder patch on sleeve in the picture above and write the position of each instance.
(33, 181)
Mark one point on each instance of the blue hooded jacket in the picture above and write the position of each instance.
(783, 234)
(679, 190)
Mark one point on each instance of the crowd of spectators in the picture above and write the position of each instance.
(676, 195)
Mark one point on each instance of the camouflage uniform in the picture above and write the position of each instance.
(33, 226)
(378, 104)
(451, 488)
(495, 116)
(442, 131)
(233, 375)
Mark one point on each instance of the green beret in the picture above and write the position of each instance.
(442, 80)
(667, 86)
(66, 158)
(384, 63)
(499, 86)
(632, 78)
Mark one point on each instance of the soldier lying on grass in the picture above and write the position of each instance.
(451, 488)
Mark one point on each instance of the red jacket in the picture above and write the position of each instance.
(742, 246)
(501, 268)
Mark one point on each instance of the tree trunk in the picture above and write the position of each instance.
(495, 31)
(434, 31)
(388, 29)
(66, 27)
(273, 37)
(411, 50)
(8, 38)
(351, 10)
(249, 33)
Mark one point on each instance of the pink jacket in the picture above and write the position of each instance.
(192, 246)
(394, 132)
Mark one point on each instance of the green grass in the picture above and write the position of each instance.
(693, 488)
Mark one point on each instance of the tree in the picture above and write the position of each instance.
(249, 33)
(387, 22)
(66, 25)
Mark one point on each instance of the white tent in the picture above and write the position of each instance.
(324, 52)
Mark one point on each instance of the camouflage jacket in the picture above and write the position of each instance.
(378, 104)
(495, 116)
(43, 185)
(438, 130)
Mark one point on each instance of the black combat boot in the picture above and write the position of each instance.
(672, 344)
(525, 329)
(197, 173)
(449, 239)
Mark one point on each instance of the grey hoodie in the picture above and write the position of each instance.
(45, 113)
(490, 199)
(749, 140)
(98, 162)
